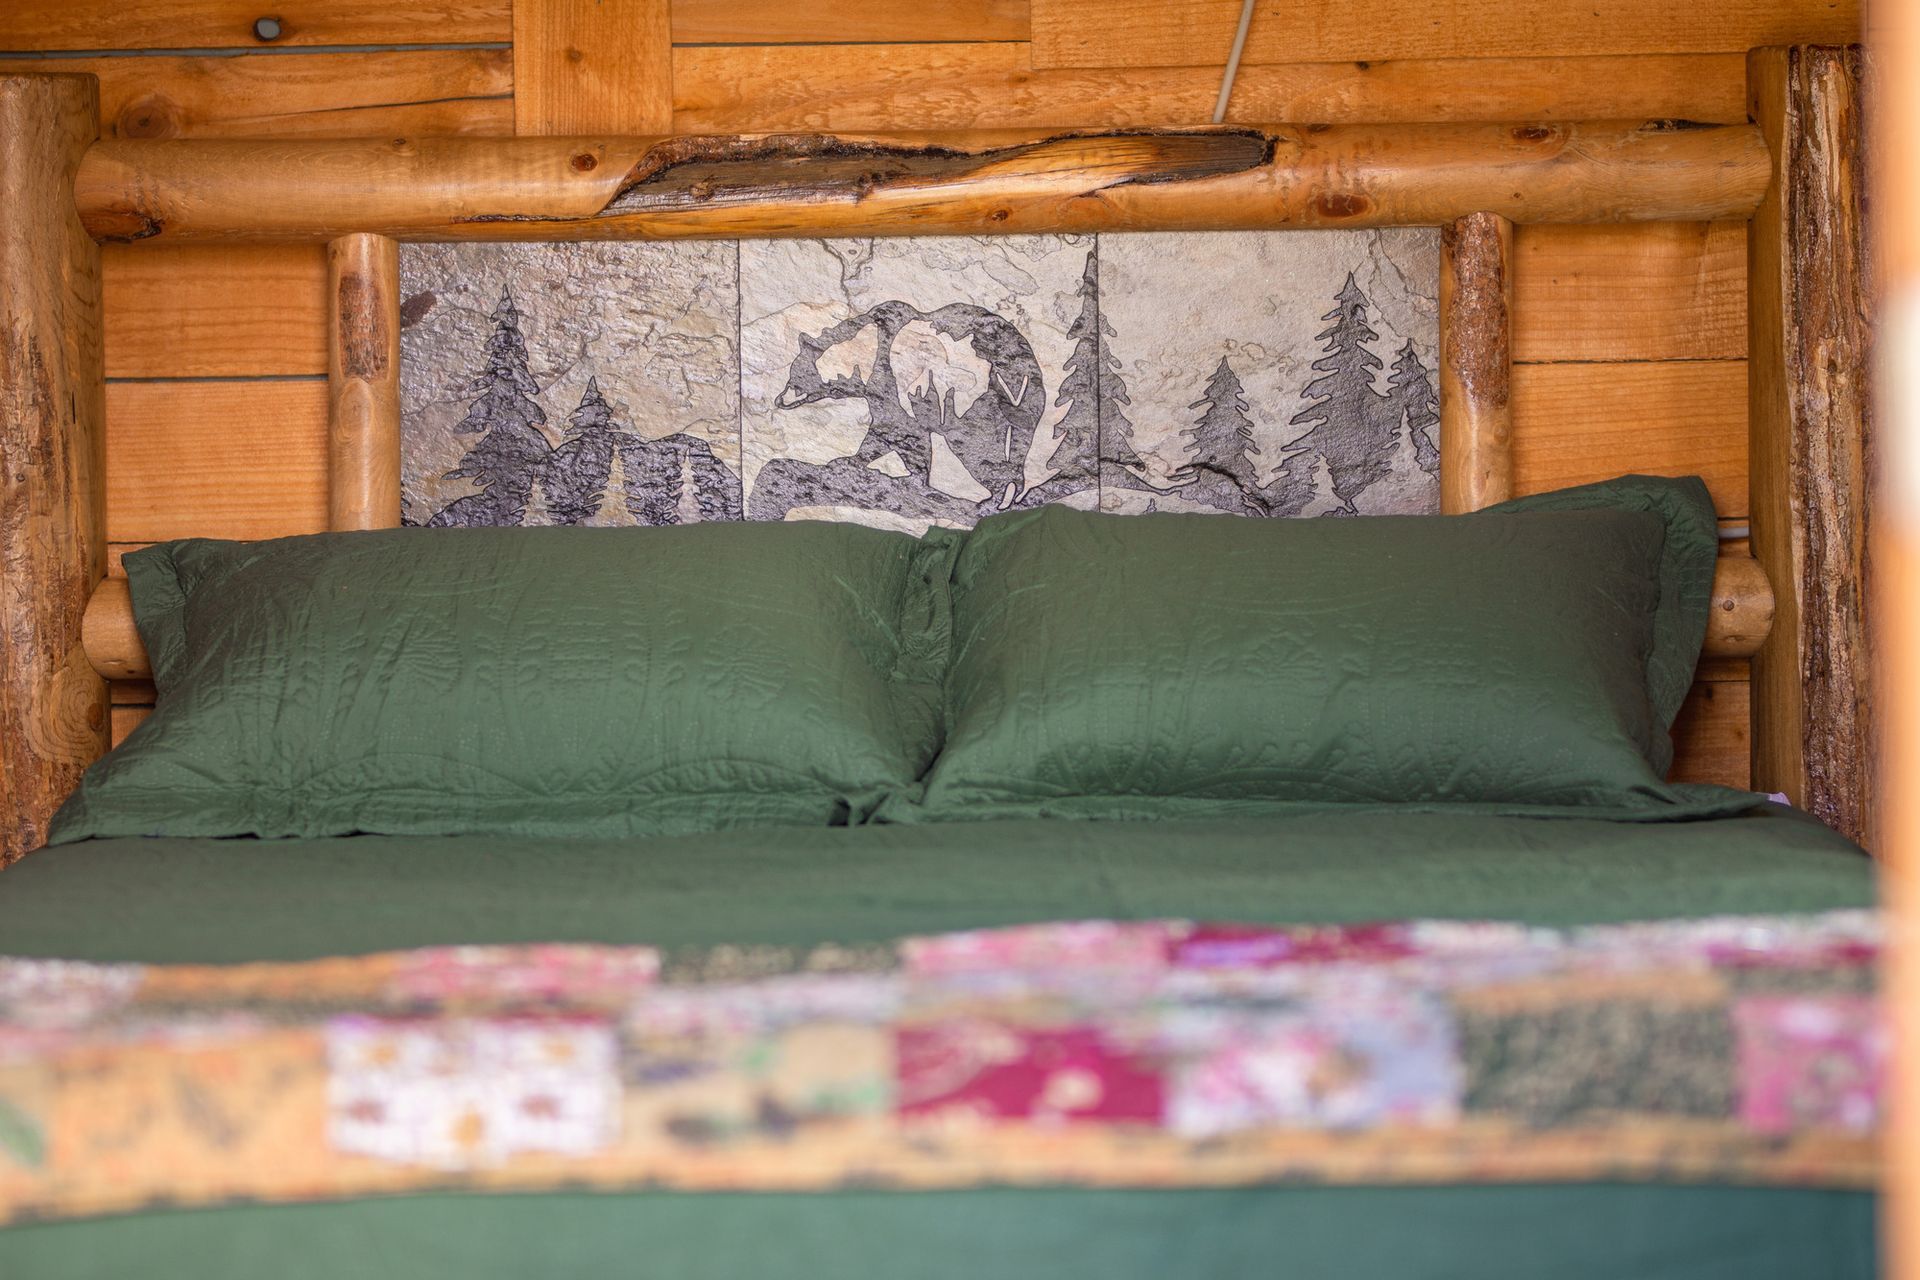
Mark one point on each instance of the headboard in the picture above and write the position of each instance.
(1794, 605)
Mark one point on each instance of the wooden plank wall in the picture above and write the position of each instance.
(1630, 341)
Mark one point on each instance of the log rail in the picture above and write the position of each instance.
(987, 182)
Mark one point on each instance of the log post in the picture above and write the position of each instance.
(363, 383)
(1476, 362)
(53, 543)
(1809, 322)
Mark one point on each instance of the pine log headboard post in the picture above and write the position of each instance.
(363, 383)
(53, 548)
(1809, 317)
(1476, 362)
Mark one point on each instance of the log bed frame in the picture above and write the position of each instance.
(1795, 606)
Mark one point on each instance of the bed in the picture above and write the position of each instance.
(117, 932)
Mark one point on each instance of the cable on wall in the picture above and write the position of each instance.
(1233, 61)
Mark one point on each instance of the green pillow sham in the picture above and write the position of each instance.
(1530, 657)
(527, 681)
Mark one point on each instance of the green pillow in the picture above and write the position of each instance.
(527, 681)
(1529, 657)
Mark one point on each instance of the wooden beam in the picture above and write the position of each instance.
(1811, 327)
(53, 533)
(592, 66)
(1125, 33)
(363, 383)
(1244, 178)
(735, 87)
(367, 93)
(232, 458)
(1476, 362)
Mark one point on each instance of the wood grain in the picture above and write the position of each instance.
(1130, 33)
(125, 720)
(53, 707)
(208, 311)
(812, 184)
(332, 95)
(363, 383)
(1712, 736)
(1659, 291)
(1810, 316)
(592, 67)
(1476, 362)
(216, 459)
(754, 88)
(228, 24)
(1577, 423)
(762, 22)
(110, 636)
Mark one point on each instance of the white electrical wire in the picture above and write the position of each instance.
(1233, 62)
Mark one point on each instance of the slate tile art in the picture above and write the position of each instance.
(569, 383)
(909, 382)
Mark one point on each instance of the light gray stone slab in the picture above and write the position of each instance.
(653, 326)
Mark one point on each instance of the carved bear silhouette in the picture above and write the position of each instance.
(960, 373)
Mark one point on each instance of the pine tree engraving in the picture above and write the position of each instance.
(1076, 450)
(507, 418)
(1410, 391)
(577, 473)
(1221, 471)
(1347, 421)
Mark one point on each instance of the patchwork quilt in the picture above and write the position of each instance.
(1095, 1053)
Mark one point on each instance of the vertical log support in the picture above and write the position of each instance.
(53, 547)
(1476, 362)
(1810, 332)
(363, 383)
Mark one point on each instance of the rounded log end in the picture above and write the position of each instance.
(109, 636)
(1742, 612)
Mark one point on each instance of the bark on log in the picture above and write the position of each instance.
(53, 548)
(363, 383)
(1811, 423)
(1476, 362)
(1222, 178)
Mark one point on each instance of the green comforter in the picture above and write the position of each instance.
(226, 901)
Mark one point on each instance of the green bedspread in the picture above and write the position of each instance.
(227, 901)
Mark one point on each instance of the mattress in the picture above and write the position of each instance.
(230, 901)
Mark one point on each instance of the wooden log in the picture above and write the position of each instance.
(53, 534)
(1742, 612)
(1476, 362)
(363, 383)
(1810, 423)
(112, 640)
(1226, 178)
(592, 66)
